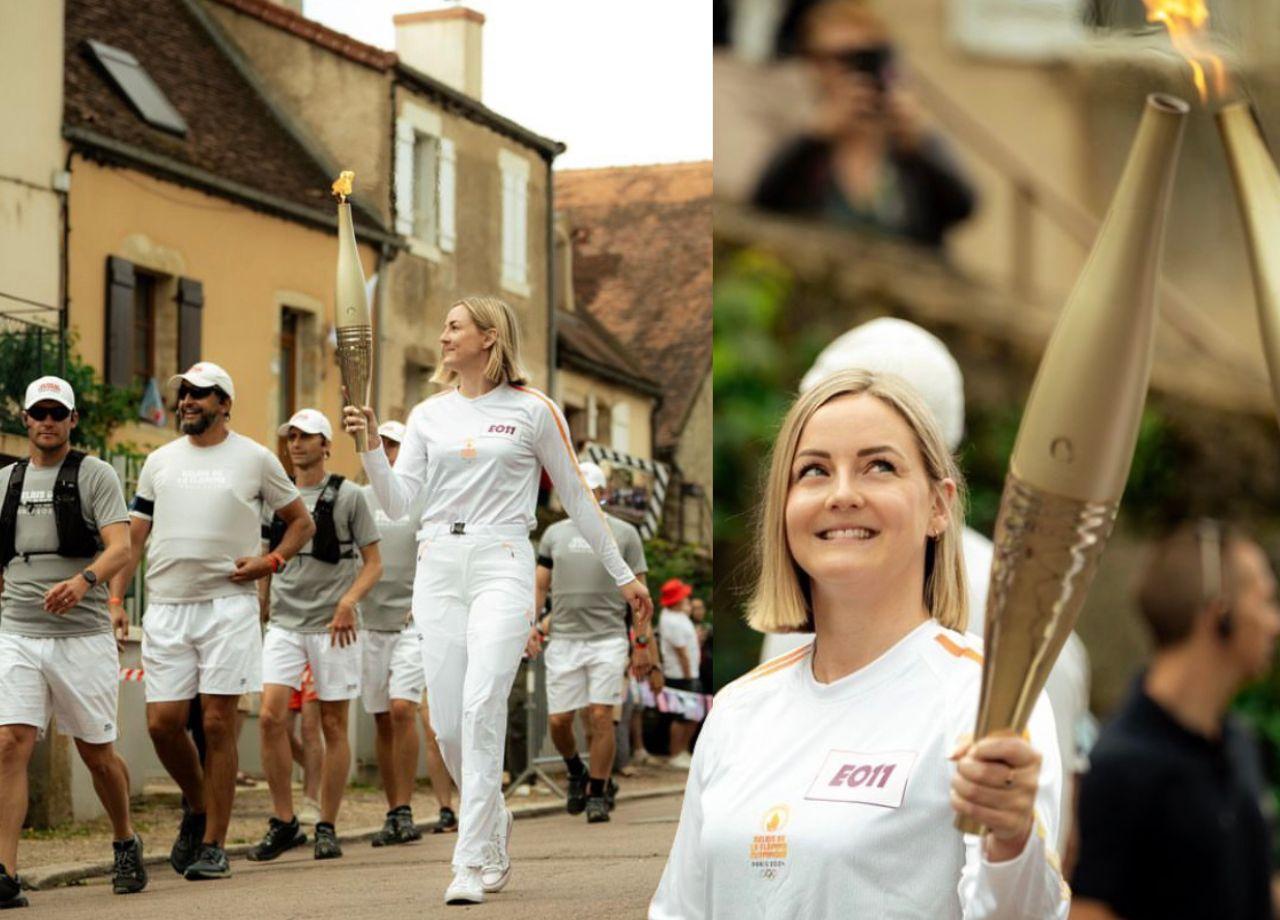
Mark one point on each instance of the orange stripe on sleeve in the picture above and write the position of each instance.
(955, 648)
(778, 664)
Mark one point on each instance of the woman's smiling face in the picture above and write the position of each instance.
(860, 503)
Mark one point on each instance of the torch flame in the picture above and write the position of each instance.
(342, 185)
(1187, 22)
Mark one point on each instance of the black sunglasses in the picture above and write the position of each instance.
(196, 392)
(57, 413)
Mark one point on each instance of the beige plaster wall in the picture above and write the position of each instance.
(694, 455)
(574, 387)
(249, 263)
(31, 151)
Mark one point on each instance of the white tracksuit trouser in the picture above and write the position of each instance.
(473, 602)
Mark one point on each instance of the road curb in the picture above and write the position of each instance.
(56, 876)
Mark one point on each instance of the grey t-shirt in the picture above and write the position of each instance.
(306, 591)
(585, 603)
(205, 505)
(26, 580)
(386, 607)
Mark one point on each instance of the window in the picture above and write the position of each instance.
(425, 178)
(576, 416)
(620, 428)
(290, 335)
(1019, 29)
(136, 85)
(515, 222)
(153, 323)
(144, 327)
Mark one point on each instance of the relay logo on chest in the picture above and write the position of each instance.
(869, 779)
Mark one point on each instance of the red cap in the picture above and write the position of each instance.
(674, 591)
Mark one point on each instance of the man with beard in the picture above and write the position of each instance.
(391, 678)
(313, 622)
(200, 500)
(63, 533)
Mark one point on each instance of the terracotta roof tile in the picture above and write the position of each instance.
(231, 132)
(580, 335)
(642, 268)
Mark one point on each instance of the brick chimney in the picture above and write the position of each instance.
(445, 44)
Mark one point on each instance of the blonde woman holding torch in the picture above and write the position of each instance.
(477, 449)
(826, 782)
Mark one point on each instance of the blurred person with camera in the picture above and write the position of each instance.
(866, 160)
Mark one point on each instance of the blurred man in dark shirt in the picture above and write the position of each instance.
(1170, 823)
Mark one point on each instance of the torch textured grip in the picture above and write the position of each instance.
(1047, 550)
(355, 363)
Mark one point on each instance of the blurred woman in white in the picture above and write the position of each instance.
(477, 449)
(827, 781)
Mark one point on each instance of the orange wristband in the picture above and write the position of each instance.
(118, 601)
(277, 561)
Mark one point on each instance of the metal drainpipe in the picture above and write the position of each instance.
(64, 270)
(552, 383)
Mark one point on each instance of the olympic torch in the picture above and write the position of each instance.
(351, 307)
(1077, 437)
(1257, 185)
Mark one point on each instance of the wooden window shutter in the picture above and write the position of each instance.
(404, 177)
(190, 319)
(119, 337)
(448, 194)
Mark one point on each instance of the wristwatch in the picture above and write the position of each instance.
(642, 640)
(89, 576)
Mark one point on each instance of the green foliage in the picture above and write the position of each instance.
(689, 563)
(28, 353)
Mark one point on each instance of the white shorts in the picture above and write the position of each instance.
(585, 671)
(207, 647)
(336, 670)
(390, 668)
(74, 678)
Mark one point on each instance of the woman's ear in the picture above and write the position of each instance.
(944, 496)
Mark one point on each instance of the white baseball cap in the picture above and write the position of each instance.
(205, 374)
(895, 346)
(392, 430)
(309, 421)
(54, 388)
(594, 476)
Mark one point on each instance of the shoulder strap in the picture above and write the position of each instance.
(9, 513)
(76, 539)
(325, 545)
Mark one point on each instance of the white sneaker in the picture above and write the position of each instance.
(681, 761)
(309, 813)
(466, 887)
(497, 858)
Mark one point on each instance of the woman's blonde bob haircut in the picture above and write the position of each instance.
(492, 314)
(780, 601)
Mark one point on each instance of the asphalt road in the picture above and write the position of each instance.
(563, 869)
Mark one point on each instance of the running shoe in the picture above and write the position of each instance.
(128, 875)
(577, 799)
(387, 836)
(11, 891)
(610, 793)
(466, 887)
(597, 809)
(280, 837)
(496, 871)
(406, 828)
(447, 822)
(210, 864)
(186, 848)
(681, 761)
(327, 842)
